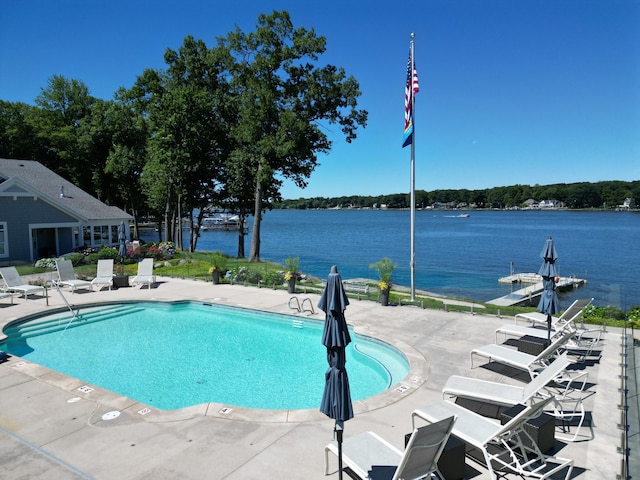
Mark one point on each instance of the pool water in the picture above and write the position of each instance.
(174, 355)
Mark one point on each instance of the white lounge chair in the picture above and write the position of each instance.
(523, 361)
(145, 274)
(567, 394)
(505, 448)
(7, 294)
(67, 277)
(104, 274)
(370, 456)
(582, 343)
(571, 314)
(502, 393)
(14, 283)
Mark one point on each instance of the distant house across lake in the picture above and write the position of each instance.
(44, 215)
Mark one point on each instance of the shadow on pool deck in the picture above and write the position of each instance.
(51, 428)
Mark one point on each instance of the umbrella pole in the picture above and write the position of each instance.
(549, 327)
(339, 429)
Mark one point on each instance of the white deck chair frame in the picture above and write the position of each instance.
(67, 277)
(504, 447)
(523, 361)
(104, 274)
(571, 314)
(567, 393)
(13, 283)
(582, 343)
(145, 274)
(369, 452)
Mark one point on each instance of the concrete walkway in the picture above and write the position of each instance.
(51, 429)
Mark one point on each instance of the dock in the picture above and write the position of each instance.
(532, 291)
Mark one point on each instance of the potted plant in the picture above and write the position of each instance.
(291, 274)
(385, 268)
(218, 266)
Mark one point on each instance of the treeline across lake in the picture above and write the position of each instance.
(604, 195)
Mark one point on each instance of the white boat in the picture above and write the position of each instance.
(223, 221)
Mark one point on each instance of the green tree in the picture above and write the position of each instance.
(283, 102)
(63, 105)
(17, 131)
(188, 144)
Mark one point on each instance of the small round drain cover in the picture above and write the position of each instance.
(111, 415)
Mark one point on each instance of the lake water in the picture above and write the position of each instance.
(456, 257)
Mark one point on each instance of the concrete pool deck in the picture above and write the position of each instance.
(52, 426)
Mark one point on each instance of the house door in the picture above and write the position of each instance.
(45, 243)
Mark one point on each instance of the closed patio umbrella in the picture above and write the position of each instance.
(336, 398)
(122, 239)
(548, 299)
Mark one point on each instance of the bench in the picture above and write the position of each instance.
(352, 287)
(356, 287)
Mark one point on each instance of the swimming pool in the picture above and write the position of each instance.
(174, 355)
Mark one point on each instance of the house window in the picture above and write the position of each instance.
(4, 243)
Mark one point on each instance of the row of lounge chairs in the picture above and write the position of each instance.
(14, 284)
(506, 448)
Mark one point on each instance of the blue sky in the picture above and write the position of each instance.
(511, 91)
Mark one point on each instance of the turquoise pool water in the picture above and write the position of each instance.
(174, 355)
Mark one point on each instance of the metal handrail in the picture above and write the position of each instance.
(64, 299)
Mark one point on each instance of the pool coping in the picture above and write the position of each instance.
(415, 378)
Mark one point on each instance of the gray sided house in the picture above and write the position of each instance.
(44, 215)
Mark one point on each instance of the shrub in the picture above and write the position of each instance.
(239, 274)
(76, 258)
(254, 277)
(48, 263)
(593, 313)
(273, 278)
(634, 316)
(243, 274)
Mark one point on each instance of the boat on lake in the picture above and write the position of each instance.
(224, 221)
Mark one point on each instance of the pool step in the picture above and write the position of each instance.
(34, 328)
(297, 323)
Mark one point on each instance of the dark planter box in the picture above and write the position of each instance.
(541, 429)
(451, 462)
(532, 345)
(120, 281)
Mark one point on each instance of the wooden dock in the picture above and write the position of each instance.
(528, 294)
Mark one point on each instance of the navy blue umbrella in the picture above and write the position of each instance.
(336, 398)
(549, 298)
(122, 239)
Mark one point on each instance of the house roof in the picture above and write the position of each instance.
(38, 179)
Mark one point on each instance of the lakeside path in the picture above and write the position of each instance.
(51, 429)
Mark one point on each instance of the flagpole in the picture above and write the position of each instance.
(412, 262)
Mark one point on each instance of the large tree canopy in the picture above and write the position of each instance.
(283, 100)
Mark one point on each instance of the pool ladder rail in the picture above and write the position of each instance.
(75, 315)
(294, 304)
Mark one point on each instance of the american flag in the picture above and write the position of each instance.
(410, 90)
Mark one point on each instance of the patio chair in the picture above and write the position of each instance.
(505, 448)
(145, 274)
(523, 361)
(571, 314)
(370, 456)
(104, 274)
(566, 392)
(14, 283)
(7, 294)
(67, 277)
(581, 344)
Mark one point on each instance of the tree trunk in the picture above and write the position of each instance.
(168, 222)
(254, 254)
(179, 236)
(241, 236)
